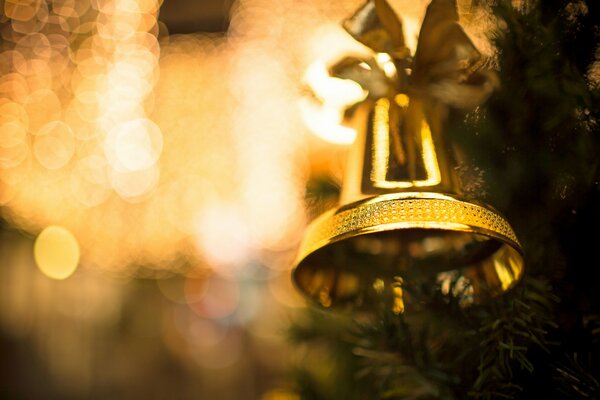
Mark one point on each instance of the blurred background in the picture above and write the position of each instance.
(153, 164)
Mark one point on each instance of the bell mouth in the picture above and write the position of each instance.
(384, 247)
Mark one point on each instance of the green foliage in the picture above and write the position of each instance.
(440, 352)
(537, 142)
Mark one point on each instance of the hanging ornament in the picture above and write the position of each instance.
(402, 222)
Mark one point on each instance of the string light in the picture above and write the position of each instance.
(56, 252)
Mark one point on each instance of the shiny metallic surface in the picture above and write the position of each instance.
(402, 223)
(352, 254)
(401, 219)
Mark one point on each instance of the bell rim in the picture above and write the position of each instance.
(333, 226)
(314, 240)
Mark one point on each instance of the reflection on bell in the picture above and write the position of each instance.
(401, 222)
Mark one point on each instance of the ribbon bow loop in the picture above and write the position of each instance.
(446, 65)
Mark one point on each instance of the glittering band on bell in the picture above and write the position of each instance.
(402, 222)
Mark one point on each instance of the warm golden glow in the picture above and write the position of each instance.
(325, 122)
(56, 252)
(134, 145)
(381, 149)
(324, 297)
(387, 64)
(323, 114)
(507, 267)
(223, 237)
(411, 27)
(332, 90)
(54, 145)
(398, 306)
(429, 157)
(506, 280)
(129, 139)
(324, 118)
(402, 100)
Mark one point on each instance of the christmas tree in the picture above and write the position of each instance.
(535, 144)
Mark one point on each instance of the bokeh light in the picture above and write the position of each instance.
(56, 252)
(219, 298)
(171, 169)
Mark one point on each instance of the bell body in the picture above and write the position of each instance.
(398, 149)
(401, 224)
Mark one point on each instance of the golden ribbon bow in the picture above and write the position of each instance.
(445, 67)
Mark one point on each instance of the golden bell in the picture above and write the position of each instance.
(402, 222)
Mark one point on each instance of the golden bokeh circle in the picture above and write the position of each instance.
(56, 252)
